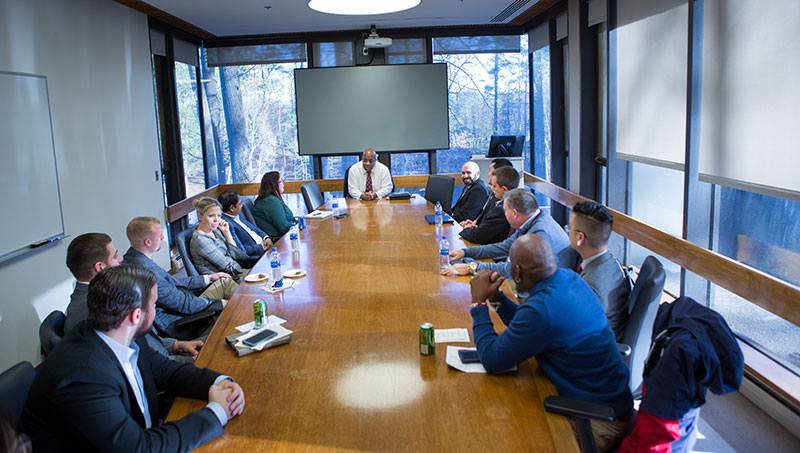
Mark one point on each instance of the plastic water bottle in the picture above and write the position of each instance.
(294, 237)
(275, 268)
(335, 209)
(437, 211)
(444, 253)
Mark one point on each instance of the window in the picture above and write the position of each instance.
(542, 119)
(657, 199)
(330, 54)
(191, 146)
(762, 232)
(251, 112)
(488, 94)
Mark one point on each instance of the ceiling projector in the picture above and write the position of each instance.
(373, 41)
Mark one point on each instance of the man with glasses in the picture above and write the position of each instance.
(248, 237)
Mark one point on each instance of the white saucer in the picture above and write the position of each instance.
(294, 273)
(255, 278)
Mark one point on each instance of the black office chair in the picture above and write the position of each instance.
(51, 331)
(312, 195)
(440, 188)
(346, 188)
(247, 210)
(183, 238)
(15, 383)
(642, 308)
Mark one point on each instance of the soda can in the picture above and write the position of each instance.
(426, 343)
(260, 313)
(301, 223)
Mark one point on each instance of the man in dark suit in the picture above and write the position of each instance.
(474, 195)
(87, 255)
(589, 229)
(97, 391)
(491, 225)
(177, 297)
(248, 237)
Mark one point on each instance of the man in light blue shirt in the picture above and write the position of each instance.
(97, 390)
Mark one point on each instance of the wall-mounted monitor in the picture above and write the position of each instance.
(346, 110)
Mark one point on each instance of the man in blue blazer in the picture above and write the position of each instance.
(177, 297)
(248, 237)
(97, 390)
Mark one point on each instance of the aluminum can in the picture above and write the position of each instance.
(301, 223)
(426, 343)
(260, 313)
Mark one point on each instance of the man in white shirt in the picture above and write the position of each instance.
(97, 391)
(369, 179)
(248, 237)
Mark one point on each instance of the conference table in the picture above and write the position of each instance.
(352, 377)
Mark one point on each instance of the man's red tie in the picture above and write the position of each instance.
(580, 268)
(369, 182)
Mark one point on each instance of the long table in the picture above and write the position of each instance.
(352, 377)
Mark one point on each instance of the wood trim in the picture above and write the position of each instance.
(776, 379)
(760, 288)
(184, 207)
(165, 17)
(531, 13)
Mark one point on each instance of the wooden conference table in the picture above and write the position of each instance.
(352, 377)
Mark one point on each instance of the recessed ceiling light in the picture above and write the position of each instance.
(361, 7)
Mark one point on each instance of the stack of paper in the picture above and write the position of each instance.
(283, 336)
(317, 214)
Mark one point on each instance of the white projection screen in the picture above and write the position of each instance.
(388, 108)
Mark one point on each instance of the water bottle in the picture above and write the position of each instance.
(336, 209)
(444, 253)
(437, 211)
(275, 268)
(294, 237)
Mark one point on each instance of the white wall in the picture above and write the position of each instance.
(96, 57)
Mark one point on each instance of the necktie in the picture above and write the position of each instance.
(369, 182)
(580, 268)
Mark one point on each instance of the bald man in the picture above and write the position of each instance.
(474, 195)
(562, 325)
(369, 179)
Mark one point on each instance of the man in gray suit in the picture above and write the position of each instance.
(589, 229)
(87, 255)
(523, 214)
(177, 297)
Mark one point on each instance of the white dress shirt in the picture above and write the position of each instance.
(256, 238)
(357, 180)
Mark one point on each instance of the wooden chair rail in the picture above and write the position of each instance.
(184, 207)
(764, 290)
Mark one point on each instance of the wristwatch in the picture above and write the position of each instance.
(473, 268)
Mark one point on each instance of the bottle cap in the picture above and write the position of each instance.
(274, 249)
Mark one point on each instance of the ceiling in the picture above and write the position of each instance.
(216, 19)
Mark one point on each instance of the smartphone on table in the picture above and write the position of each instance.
(265, 334)
(468, 356)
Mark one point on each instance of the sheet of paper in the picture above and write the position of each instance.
(319, 214)
(451, 336)
(454, 361)
(272, 319)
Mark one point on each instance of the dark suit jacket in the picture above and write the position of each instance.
(243, 240)
(176, 296)
(607, 280)
(77, 311)
(470, 202)
(81, 401)
(492, 225)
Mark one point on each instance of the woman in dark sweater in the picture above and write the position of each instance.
(270, 212)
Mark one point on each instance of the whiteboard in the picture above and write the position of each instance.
(29, 194)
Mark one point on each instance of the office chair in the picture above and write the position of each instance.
(183, 238)
(642, 307)
(346, 188)
(51, 331)
(15, 383)
(247, 210)
(312, 195)
(686, 336)
(440, 188)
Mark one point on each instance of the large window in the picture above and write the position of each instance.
(488, 94)
(762, 232)
(252, 116)
(191, 147)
